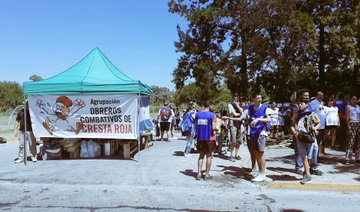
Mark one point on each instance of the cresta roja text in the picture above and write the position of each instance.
(107, 128)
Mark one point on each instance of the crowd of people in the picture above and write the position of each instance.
(312, 123)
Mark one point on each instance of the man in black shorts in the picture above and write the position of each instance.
(165, 117)
(205, 123)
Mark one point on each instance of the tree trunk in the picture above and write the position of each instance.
(244, 84)
(321, 57)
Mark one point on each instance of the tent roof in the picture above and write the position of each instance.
(93, 74)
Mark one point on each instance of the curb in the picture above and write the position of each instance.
(314, 186)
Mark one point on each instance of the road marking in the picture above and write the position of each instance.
(314, 186)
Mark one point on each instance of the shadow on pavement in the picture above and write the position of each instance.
(179, 153)
(224, 157)
(281, 169)
(234, 171)
(284, 177)
(189, 172)
(289, 159)
(346, 168)
(326, 159)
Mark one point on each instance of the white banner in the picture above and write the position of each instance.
(84, 116)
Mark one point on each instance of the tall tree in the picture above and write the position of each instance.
(11, 95)
(276, 45)
(161, 94)
(290, 38)
(201, 46)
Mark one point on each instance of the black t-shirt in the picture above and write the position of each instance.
(20, 118)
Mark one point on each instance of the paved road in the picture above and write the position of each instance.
(161, 179)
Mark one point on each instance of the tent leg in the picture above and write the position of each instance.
(138, 126)
(25, 141)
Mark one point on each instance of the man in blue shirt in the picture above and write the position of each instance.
(317, 106)
(205, 121)
(259, 117)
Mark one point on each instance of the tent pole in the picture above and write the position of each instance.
(138, 125)
(25, 130)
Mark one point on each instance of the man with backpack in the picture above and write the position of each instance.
(301, 152)
(187, 127)
(165, 117)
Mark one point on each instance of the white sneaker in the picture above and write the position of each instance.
(33, 159)
(259, 178)
(18, 160)
(254, 173)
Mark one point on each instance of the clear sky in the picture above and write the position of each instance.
(45, 37)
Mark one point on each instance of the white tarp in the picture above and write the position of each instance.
(84, 116)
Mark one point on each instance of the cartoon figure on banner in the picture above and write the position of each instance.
(60, 112)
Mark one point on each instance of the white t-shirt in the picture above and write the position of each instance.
(318, 107)
(231, 111)
(274, 115)
(331, 116)
(244, 116)
(354, 113)
(282, 118)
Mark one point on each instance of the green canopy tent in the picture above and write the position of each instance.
(94, 74)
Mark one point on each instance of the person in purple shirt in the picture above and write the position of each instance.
(205, 122)
(341, 104)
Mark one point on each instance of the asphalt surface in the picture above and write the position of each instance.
(160, 178)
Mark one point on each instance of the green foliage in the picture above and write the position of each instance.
(161, 94)
(186, 94)
(224, 95)
(275, 45)
(11, 95)
(35, 77)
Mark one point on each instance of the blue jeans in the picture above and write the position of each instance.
(314, 156)
(190, 139)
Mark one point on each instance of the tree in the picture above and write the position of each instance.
(336, 24)
(275, 45)
(187, 93)
(201, 45)
(288, 62)
(161, 94)
(35, 77)
(11, 95)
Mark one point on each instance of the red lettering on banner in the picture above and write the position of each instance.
(123, 128)
(97, 128)
(107, 128)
